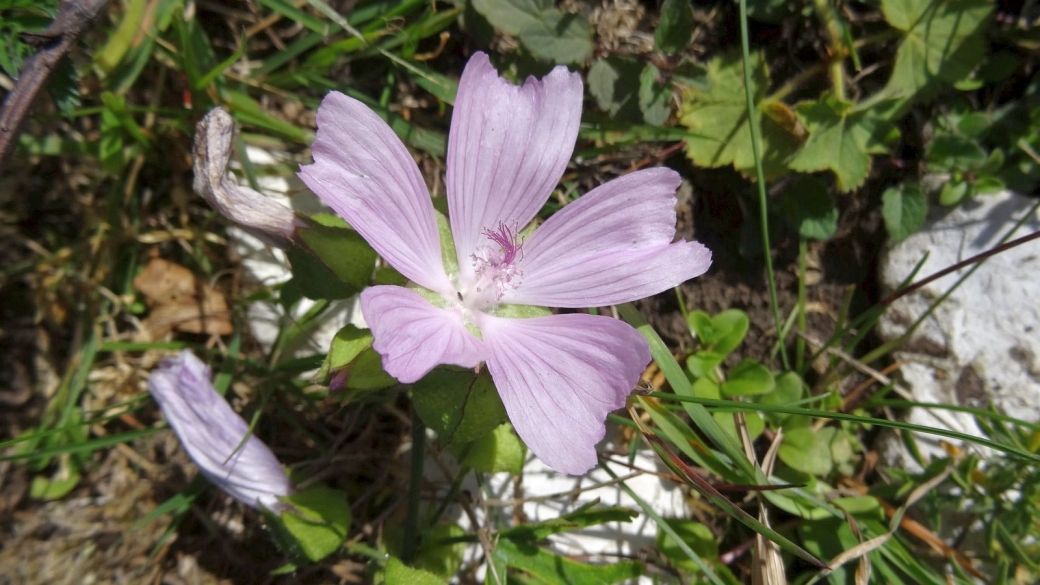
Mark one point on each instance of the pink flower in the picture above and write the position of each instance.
(212, 434)
(558, 375)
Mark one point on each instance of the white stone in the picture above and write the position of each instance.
(982, 344)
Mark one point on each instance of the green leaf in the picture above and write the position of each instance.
(953, 191)
(590, 514)
(332, 262)
(703, 363)
(747, 378)
(721, 333)
(718, 123)
(752, 420)
(950, 152)
(655, 97)
(810, 209)
(352, 363)
(315, 526)
(499, 450)
(840, 140)
(442, 551)
(807, 450)
(675, 29)
(57, 486)
(904, 209)
(696, 535)
(559, 37)
(398, 573)
(556, 570)
(512, 16)
(942, 42)
(458, 405)
(789, 389)
(987, 185)
(614, 83)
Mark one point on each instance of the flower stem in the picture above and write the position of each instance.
(760, 175)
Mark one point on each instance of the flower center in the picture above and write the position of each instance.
(494, 267)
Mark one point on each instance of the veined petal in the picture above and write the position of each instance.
(507, 149)
(613, 245)
(363, 171)
(559, 377)
(413, 336)
(212, 434)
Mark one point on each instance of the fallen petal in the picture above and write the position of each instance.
(212, 434)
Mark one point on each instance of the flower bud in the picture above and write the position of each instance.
(212, 434)
(270, 221)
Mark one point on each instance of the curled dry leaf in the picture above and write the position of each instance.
(180, 302)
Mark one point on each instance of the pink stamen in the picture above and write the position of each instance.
(506, 238)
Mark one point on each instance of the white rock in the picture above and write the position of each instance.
(982, 344)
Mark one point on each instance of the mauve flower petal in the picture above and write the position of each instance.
(363, 171)
(211, 434)
(413, 336)
(559, 377)
(507, 149)
(614, 245)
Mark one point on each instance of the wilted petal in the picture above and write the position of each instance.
(363, 171)
(614, 245)
(413, 336)
(507, 149)
(212, 434)
(271, 222)
(559, 377)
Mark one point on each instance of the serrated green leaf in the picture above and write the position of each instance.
(718, 120)
(810, 209)
(552, 569)
(904, 209)
(942, 42)
(559, 37)
(398, 573)
(675, 29)
(655, 97)
(458, 405)
(840, 140)
(512, 16)
(500, 450)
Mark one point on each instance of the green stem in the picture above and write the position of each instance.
(837, 47)
(411, 526)
(803, 266)
(760, 176)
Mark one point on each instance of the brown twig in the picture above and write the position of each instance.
(974, 259)
(54, 43)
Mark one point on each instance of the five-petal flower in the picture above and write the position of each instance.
(558, 375)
